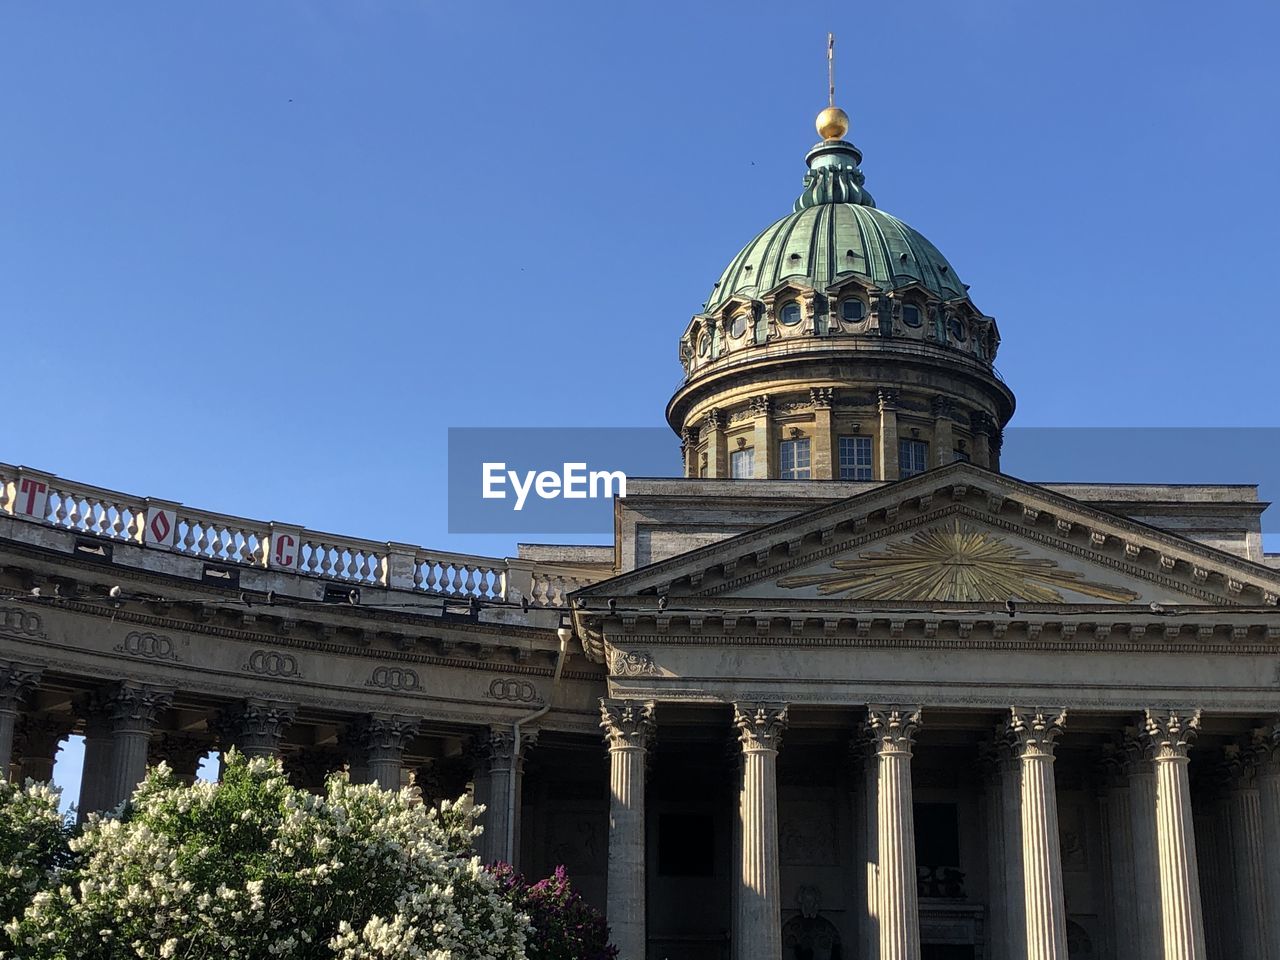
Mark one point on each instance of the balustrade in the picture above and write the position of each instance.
(93, 511)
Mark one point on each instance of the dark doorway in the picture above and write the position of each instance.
(947, 951)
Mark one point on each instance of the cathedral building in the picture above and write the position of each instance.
(862, 695)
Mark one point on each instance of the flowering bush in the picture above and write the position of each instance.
(565, 927)
(253, 868)
(33, 845)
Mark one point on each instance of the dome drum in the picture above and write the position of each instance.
(851, 307)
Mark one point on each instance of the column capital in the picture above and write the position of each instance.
(1265, 748)
(384, 735)
(760, 724)
(892, 728)
(626, 723)
(16, 681)
(498, 745)
(1169, 732)
(1032, 731)
(255, 727)
(133, 706)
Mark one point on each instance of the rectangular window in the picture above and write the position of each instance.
(794, 459)
(959, 456)
(742, 463)
(855, 458)
(913, 457)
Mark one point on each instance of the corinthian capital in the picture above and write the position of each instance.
(134, 704)
(16, 681)
(760, 725)
(255, 725)
(1266, 749)
(892, 728)
(626, 723)
(1033, 731)
(1170, 732)
(381, 733)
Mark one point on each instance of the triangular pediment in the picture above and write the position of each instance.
(958, 534)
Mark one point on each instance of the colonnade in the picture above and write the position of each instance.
(1154, 874)
(127, 728)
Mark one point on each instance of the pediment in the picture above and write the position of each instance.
(955, 534)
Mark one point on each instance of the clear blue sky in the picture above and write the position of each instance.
(258, 257)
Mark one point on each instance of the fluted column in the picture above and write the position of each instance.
(1015, 907)
(1141, 776)
(382, 738)
(865, 746)
(628, 726)
(132, 709)
(504, 763)
(992, 759)
(736, 951)
(1032, 733)
(1269, 815)
(759, 921)
(95, 772)
(1170, 733)
(1243, 820)
(255, 727)
(16, 681)
(1118, 824)
(893, 729)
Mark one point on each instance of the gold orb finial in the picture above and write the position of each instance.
(832, 124)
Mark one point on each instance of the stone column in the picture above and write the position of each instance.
(95, 773)
(1117, 815)
(893, 731)
(16, 681)
(382, 738)
(824, 459)
(980, 427)
(132, 709)
(1169, 733)
(182, 752)
(1141, 777)
(1243, 820)
(944, 443)
(889, 435)
(504, 760)
(759, 921)
(1032, 733)
(628, 726)
(1268, 758)
(255, 727)
(42, 735)
(993, 759)
(717, 454)
(766, 457)
(1015, 907)
(865, 748)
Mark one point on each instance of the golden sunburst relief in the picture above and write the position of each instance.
(953, 563)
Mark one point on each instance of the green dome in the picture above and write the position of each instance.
(836, 232)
